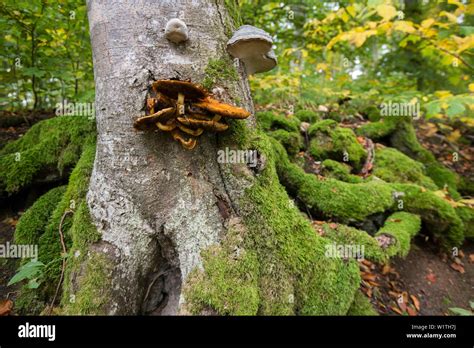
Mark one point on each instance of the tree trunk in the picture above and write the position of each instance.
(156, 204)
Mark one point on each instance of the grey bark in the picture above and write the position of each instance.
(155, 203)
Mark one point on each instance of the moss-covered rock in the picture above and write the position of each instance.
(284, 129)
(378, 130)
(402, 227)
(329, 141)
(393, 166)
(270, 121)
(52, 145)
(307, 116)
(466, 214)
(361, 306)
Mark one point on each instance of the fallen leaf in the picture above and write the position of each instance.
(416, 302)
(386, 269)
(333, 225)
(396, 310)
(368, 276)
(393, 294)
(411, 312)
(402, 305)
(458, 268)
(5, 307)
(374, 283)
(431, 277)
(471, 258)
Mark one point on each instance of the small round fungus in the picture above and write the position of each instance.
(176, 30)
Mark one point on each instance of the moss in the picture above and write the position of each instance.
(339, 171)
(50, 145)
(393, 166)
(269, 121)
(361, 306)
(333, 198)
(292, 141)
(294, 276)
(437, 214)
(372, 112)
(342, 234)
(219, 71)
(328, 141)
(94, 288)
(466, 214)
(402, 227)
(404, 139)
(378, 130)
(307, 116)
(49, 247)
(33, 222)
(233, 9)
(228, 284)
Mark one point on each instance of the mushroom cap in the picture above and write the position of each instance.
(260, 63)
(171, 89)
(222, 109)
(176, 30)
(248, 41)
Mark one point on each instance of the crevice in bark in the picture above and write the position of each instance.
(162, 285)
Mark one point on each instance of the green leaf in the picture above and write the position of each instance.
(461, 311)
(432, 108)
(28, 271)
(455, 108)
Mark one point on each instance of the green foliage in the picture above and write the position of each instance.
(31, 271)
(44, 64)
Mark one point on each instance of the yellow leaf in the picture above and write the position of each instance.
(454, 136)
(457, 3)
(452, 18)
(345, 17)
(387, 12)
(471, 87)
(427, 23)
(443, 94)
(352, 11)
(404, 26)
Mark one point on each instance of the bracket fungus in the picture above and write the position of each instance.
(254, 47)
(185, 110)
(176, 31)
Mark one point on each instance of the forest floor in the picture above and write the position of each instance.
(429, 282)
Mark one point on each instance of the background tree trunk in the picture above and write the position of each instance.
(155, 203)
